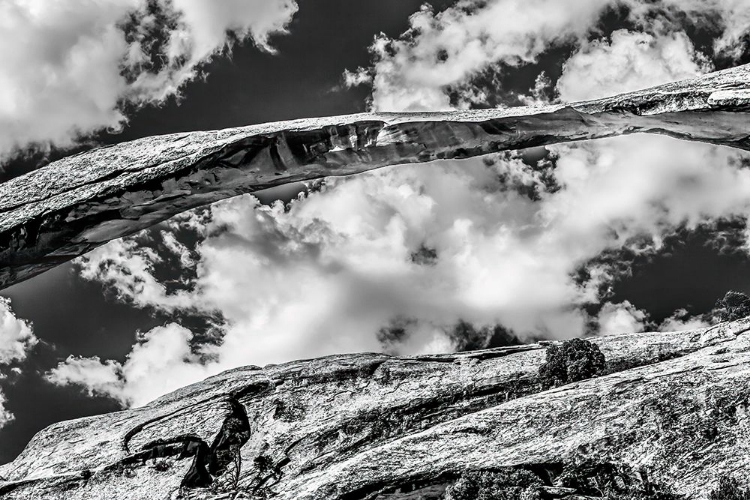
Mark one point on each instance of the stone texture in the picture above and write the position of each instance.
(73, 205)
(672, 406)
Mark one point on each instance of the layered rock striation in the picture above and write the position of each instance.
(73, 205)
(671, 409)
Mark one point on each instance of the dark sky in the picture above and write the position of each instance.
(72, 316)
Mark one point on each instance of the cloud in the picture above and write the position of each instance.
(5, 416)
(160, 362)
(731, 18)
(681, 321)
(628, 61)
(16, 339)
(128, 265)
(621, 318)
(99, 378)
(442, 52)
(66, 68)
(206, 23)
(447, 48)
(16, 335)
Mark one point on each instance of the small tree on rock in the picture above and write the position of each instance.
(510, 484)
(731, 307)
(574, 360)
(729, 489)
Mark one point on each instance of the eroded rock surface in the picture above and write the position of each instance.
(71, 206)
(671, 410)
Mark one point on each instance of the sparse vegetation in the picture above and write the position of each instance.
(653, 495)
(731, 307)
(605, 481)
(395, 332)
(463, 334)
(466, 337)
(263, 463)
(290, 410)
(574, 360)
(612, 482)
(230, 477)
(425, 256)
(729, 489)
(508, 484)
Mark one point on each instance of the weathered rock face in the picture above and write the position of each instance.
(672, 410)
(71, 206)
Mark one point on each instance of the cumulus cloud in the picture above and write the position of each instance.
(160, 362)
(99, 378)
(66, 68)
(620, 318)
(443, 51)
(128, 265)
(16, 335)
(16, 339)
(206, 23)
(681, 320)
(628, 61)
(5, 416)
(731, 18)
(446, 48)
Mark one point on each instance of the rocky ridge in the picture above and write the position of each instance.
(671, 409)
(71, 206)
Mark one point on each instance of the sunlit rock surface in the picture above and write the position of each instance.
(673, 407)
(71, 206)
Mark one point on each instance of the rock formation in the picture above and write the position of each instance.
(671, 409)
(71, 206)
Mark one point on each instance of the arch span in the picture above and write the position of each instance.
(71, 206)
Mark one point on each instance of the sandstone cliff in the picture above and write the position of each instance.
(78, 203)
(671, 409)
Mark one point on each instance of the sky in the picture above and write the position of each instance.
(593, 238)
